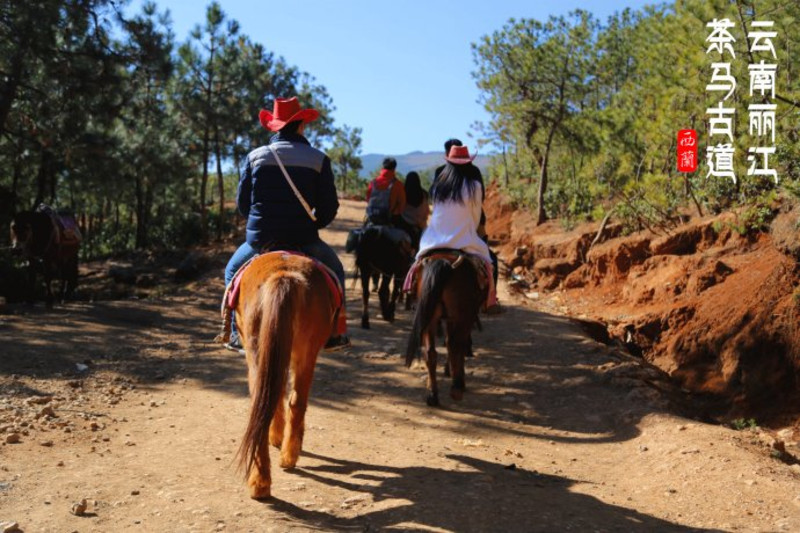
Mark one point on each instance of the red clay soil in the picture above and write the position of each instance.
(716, 310)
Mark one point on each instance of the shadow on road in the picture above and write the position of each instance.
(473, 495)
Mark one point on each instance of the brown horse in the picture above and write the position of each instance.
(50, 243)
(448, 289)
(285, 313)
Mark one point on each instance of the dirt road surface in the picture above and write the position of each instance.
(129, 405)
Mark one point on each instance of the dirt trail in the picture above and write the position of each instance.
(556, 432)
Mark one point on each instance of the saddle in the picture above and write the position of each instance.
(396, 235)
(230, 298)
(65, 226)
(456, 257)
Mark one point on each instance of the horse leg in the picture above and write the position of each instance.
(303, 372)
(387, 310)
(431, 357)
(260, 480)
(277, 424)
(31, 282)
(446, 344)
(70, 278)
(366, 274)
(458, 345)
(397, 284)
(48, 286)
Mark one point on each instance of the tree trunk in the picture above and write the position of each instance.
(220, 184)
(13, 78)
(203, 184)
(541, 215)
(141, 214)
(505, 167)
(42, 176)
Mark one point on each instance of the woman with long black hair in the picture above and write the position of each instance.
(415, 216)
(457, 204)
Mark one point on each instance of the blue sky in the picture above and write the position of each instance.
(401, 71)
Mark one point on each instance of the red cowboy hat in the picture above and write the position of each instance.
(459, 155)
(284, 111)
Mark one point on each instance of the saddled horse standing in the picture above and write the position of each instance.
(453, 273)
(450, 287)
(50, 242)
(285, 312)
(384, 251)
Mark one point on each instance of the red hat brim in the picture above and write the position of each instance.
(273, 124)
(461, 160)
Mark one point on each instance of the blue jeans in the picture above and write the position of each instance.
(318, 250)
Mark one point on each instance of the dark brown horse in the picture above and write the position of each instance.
(378, 253)
(448, 289)
(285, 313)
(50, 243)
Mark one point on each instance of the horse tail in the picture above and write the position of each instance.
(434, 276)
(275, 332)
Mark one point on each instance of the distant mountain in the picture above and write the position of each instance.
(416, 161)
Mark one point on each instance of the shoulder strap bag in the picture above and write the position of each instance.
(299, 196)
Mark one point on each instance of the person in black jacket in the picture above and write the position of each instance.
(276, 215)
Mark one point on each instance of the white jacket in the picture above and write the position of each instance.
(455, 225)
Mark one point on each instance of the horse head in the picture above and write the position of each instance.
(21, 232)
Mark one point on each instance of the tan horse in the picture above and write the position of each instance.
(285, 313)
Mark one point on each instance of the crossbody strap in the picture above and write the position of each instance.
(292, 185)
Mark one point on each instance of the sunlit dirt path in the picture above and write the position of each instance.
(556, 432)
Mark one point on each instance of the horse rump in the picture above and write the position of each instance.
(435, 274)
(271, 329)
(280, 294)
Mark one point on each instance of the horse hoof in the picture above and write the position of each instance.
(457, 394)
(364, 324)
(432, 401)
(259, 490)
(288, 463)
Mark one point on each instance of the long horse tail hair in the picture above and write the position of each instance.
(434, 276)
(275, 332)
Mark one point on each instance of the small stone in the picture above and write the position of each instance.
(60, 463)
(13, 438)
(41, 400)
(134, 492)
(10, 527)
(46, 443)
(46, 411)
(79, 508)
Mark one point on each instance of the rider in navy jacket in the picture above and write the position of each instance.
(266, 199)
(275, 215)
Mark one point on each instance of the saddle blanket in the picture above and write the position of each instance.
(483, 267)
(232, 290)
(231, 297)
